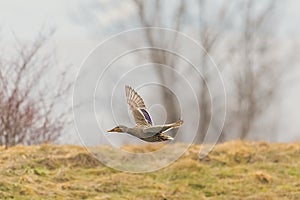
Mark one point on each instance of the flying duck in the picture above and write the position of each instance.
(144, 128)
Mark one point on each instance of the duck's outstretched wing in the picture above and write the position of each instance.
(137, 107)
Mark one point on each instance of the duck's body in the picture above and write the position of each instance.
(144, 129)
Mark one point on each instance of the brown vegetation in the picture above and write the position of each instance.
(29, 102)
(234, 170)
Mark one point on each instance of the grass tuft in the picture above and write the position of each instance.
(233, 170)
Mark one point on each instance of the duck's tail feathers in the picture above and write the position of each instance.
(166, 138)
(177, 124)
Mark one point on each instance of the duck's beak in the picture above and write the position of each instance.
(114, 130)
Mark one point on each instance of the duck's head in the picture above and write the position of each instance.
(120, 129)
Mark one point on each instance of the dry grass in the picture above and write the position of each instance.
(234, 170)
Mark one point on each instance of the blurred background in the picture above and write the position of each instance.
(255, 45)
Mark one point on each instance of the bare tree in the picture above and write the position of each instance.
(211, 36)
(240, 32)
(260, 71)
(31, 108)
(211, 33)
(151, 15)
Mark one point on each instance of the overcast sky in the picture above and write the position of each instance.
(25, 18)
(73, 41)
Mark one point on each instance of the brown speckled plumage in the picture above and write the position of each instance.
(144, 128)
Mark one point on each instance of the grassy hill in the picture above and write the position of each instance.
(234, 170)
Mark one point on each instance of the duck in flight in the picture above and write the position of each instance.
(144, 128)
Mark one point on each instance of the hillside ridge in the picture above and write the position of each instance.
(233, 170)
